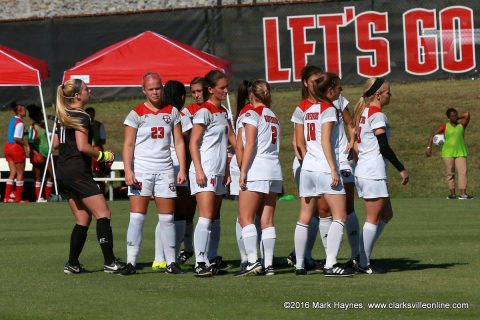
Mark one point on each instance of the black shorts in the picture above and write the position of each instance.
(79, 188)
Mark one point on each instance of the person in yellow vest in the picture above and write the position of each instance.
(454, 151)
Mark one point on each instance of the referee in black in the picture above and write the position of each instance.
(75, 176)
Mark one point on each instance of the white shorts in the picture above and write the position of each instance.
(371, 189)
(265, 186)
(160, 185)
(176, 170)
(234, 185)
(314, 183)
(296, 172)
(214, 184)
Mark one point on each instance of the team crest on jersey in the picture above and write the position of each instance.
(167, 119)
(171, 186)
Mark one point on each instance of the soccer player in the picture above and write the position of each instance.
(38, 141)
(322, 219)
(372, 131)
(149, 130)
(75, 176)
(198, 92)
(14, 152)
(454, 151)
(243, 104)
(260, 177)
(319, 176)
(209, 172)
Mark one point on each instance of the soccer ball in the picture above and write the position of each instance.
(439, 139)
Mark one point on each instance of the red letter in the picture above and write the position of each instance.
(330, 24)
(301, 48)
(420, 49)
(273, 71)
(378, 64)
(458, 49)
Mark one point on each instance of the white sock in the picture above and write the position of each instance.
(167, 232)
(324, 226)
(381, 225)
(188, 237)
(249, 236)
(200, 238)
(241, 246)
(268, 245)
(134, 236)
(353, 234)
(214, 239)
(300, 239)
(159, 255)
(179, 235)
(334, 241)
(366, 243)
(312, 237)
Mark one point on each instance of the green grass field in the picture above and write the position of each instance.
(416, 109)
(430, 250)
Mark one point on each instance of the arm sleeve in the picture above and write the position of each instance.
(186, 122)
(251, 117)
(18, 133)
(297, 116)
(202, 116)
(132, 120)
(388, 153)
(329, 115)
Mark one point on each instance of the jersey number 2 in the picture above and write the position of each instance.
(158, 132)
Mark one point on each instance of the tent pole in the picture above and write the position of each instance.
(230, 110)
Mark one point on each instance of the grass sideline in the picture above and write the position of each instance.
(430, 250)
(416, 109)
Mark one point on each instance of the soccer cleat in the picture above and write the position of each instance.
(312, 265)
(115, 267)
(291, 260)
(41, 200)
(452, 197)
(464, 197)
(251, 269)
(243, 265)
(159, 266)
(370, 269)
(183, 256)
(338, 271)
(128, 270)
(353, 263)
(73, 269)
(269, 271)
(300, 272)
(202, 271)
(173, 268)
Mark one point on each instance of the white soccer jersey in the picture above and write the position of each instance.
(314, 116)
(265, 164)
(154, 136)
(297, 116)
(371, 164)
(341, 104)
(239, 124)
(213, 145)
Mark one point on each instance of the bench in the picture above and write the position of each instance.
(116, 166)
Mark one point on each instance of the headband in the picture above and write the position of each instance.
(374, 88)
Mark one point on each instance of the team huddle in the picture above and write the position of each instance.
(179, 156)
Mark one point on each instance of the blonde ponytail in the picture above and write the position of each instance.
(65, 95)
(363, 102)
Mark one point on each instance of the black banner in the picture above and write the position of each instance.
(401, 40)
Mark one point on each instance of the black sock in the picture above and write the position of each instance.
(105, 239)
(77, 241)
